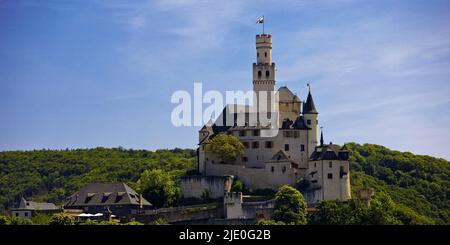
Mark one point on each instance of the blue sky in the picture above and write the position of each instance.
(87, 73)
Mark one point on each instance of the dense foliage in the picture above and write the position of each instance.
(381, 211)
(417, 184)
(52, 175)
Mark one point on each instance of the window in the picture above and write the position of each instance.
(272, 169)
(255, 144)
(330, 164)
(246, 145)
(315, 165)
(242, 133)
(267, 73)
(287, 133)
(286, 147)
(255, 132)
(330, 176)
(283, 169)
(265, 54)
(296, 133)
(302, 147)
(17, 214)
(26, 214)
(257, 55)
(308, 122)
(259, 74)
(245, 159)
(269, 144)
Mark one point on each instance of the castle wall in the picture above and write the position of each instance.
(196, 185)
(258, 156)
(258, 178)
(235, 208)
(336, 187)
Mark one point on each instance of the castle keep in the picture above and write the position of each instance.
(292, 154)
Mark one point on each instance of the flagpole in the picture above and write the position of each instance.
(263, 23)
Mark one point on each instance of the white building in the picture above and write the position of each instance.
(270, 160)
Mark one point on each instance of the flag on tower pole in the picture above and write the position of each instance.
(260, 20)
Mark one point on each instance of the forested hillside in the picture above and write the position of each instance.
(417, 183)
(52, 175)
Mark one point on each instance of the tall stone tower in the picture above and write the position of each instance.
(310, 116)
(263, 71)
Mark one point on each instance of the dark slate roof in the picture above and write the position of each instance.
(30, 205)
(329, 152)
(298, 124)
(105, 194)
(309, 107)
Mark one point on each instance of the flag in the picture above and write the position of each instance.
(260, 20)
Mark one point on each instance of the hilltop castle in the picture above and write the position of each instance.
(290, 155)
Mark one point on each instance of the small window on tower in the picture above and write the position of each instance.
(267, 73)
(259, 74)
(330, 176)
(265, 54)
(302, 147)
(308, 122)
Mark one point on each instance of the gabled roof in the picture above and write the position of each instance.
(309, 107)
(281, 155)
(329, 152)
(105, 194)
(30, 205)
(286, 95)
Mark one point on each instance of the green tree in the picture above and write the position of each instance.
(159, 187)
(238, 186)
(289, 207)
(160, 221)
(134, 223)
(269, 222)
(226, 147)
(61, 219)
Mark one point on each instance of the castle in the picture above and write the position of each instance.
(281, 149)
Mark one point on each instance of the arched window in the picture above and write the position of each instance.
(259, 74)
(267, 73)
